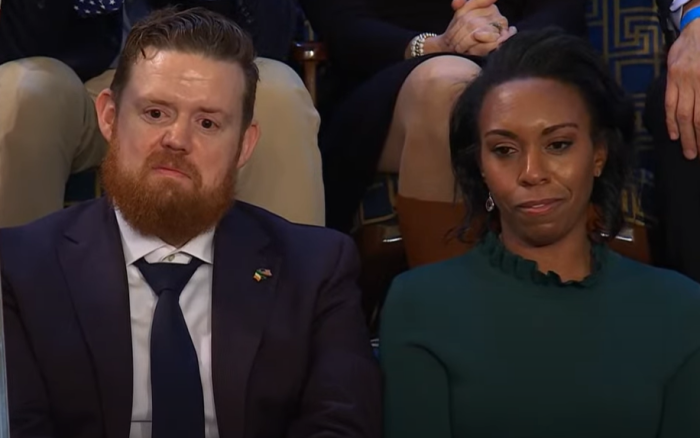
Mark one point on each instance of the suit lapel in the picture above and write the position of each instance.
(92, 259)
(240, 310)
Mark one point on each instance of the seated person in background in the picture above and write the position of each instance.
(672, 116)
(541, 330)
(48, 127)
(396, 121)
(267, 338)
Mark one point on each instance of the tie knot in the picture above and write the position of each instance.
(171, 277)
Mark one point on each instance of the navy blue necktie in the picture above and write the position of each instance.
(178, 403)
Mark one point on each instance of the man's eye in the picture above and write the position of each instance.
(154, 114)
(208, 124)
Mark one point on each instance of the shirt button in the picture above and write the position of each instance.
(170, 258)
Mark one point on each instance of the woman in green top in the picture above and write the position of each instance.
(541, 331)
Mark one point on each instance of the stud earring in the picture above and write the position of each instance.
(490, 205)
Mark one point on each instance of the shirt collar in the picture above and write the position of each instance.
(137, 246)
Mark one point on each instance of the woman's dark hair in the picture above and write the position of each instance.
(549, 54)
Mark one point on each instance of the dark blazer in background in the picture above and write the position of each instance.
(290, 355)
(52, 28)
(366, 36)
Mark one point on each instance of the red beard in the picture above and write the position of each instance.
(163, 207)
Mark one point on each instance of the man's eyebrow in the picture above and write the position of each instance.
(204, 109)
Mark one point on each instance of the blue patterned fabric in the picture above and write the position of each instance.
(90, 8)
(627, 34)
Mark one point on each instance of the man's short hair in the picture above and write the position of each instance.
(195, 31)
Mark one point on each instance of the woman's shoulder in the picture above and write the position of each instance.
(655, 280)
(428, 281)
(422, 296)
(644, 272)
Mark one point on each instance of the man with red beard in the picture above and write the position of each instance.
(165, 310)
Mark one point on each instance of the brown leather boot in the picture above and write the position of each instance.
(428, 229)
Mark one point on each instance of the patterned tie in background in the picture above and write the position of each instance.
(88, 8)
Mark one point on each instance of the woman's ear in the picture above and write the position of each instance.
(600, 157)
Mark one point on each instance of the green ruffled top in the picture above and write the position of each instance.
(486, 345)
(527, 270)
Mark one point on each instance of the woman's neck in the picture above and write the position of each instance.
(570, 257)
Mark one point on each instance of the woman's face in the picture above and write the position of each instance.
(538, 159)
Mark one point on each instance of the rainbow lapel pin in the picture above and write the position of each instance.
(262, 274)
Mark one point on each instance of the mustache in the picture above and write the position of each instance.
(177, 162)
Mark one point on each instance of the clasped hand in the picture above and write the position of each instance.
(683, 90)
(477, 28)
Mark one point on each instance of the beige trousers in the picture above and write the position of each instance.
(48, 130)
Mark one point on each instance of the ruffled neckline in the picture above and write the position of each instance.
(512, 264)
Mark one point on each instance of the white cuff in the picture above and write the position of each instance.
(677, 12)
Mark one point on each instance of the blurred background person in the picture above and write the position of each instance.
(672, 116)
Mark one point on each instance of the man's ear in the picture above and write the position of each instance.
(106, 113)
(250, 140)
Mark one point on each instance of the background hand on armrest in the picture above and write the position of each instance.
(683, 89)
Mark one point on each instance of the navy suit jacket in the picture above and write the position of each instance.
(52, 28)
(290, 355)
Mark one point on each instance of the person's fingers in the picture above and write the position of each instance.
(464, 44)
(486, 35)
(457, 4)
(500, 22)
(671, 104)
(482, 49)
(460, 38)
(511, 31)
(685, 116)
(470, 5)
(467, 36)
(463, 25)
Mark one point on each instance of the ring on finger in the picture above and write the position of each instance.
(497, 25)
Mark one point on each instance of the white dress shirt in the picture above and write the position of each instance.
(677, 12)
(195, 302)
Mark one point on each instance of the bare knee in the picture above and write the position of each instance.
(282, 92)
(39, 88)
(423, 109)
(435, 83)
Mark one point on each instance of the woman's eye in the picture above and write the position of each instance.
(503, 150)
(560, 145)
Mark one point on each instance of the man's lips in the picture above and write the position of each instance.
(170, 171)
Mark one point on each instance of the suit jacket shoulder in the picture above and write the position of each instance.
(296, 240)
(39, 238)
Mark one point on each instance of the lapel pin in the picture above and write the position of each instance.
(262, 274)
